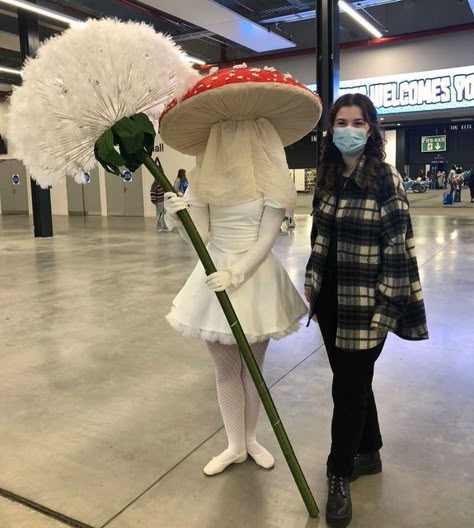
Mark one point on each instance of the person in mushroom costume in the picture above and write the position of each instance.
(236, 121)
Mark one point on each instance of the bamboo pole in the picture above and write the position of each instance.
(247, 354)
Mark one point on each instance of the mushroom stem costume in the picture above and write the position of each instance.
(236, 122)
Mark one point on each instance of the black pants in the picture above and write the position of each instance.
(355, 426)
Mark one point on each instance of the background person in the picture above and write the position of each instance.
(181, 183)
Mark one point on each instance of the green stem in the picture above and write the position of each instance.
(267, 401)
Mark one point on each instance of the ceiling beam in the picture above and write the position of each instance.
(222, 21)
(306, 15)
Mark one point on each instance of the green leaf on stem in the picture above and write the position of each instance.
(133, 135)
(106, 155)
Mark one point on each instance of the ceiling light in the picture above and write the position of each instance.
(345, 8)
(10, 70)
(471, 5)
(307, 15)
(193, 59)
(43, 11)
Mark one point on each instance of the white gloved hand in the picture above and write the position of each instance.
(174, 203)
(220, 280)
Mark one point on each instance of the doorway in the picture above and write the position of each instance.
(84, 199)
(125, 198)
(13, 187)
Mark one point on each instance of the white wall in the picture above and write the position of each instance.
(59, 202)
(3, 118)
(391, 147)
(172, 161)
(429, 53)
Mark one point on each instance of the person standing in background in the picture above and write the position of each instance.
(181, 183)
(459, 183)
(157, 199)
(439, 179)
(470, 183)
(451, 175)
(443, 182)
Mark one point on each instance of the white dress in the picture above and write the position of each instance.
(267, 303)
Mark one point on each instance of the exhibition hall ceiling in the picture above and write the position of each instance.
(228, 30)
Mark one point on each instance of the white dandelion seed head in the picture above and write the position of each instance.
(81, 83)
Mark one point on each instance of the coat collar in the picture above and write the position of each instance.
(357, 175)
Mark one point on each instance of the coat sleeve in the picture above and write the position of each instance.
(393, 287)
(314, 229)
(314, 234)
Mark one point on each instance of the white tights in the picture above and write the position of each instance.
(238, 398)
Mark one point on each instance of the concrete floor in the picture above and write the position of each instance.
(108, 416)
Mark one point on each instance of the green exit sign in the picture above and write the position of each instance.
(433, 143)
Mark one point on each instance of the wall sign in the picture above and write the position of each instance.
(461, 127)
(416, 92)
(85, 177)
(16, 179)
(433, 143)
(127, 176)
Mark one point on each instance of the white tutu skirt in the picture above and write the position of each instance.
(267, 303)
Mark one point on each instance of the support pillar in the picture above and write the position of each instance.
(401, 151)
(40, 198)
(327, 64)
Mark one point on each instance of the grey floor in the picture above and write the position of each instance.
(108, 416)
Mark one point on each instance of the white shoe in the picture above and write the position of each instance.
(220, 462)
(260, 455)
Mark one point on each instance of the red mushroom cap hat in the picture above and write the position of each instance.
(240, 93)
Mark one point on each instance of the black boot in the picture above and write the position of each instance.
(366, 464)
(339, 505)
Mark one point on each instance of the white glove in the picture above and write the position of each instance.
(220, 280)
(199, 215)
(174, 203)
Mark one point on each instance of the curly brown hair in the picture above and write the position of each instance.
(332, 162)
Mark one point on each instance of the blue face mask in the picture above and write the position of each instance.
(349, 140)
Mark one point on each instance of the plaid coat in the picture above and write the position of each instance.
(378, 288)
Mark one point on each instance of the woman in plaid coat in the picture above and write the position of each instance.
(361, 282)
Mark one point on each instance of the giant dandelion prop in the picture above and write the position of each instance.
(88, 97)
